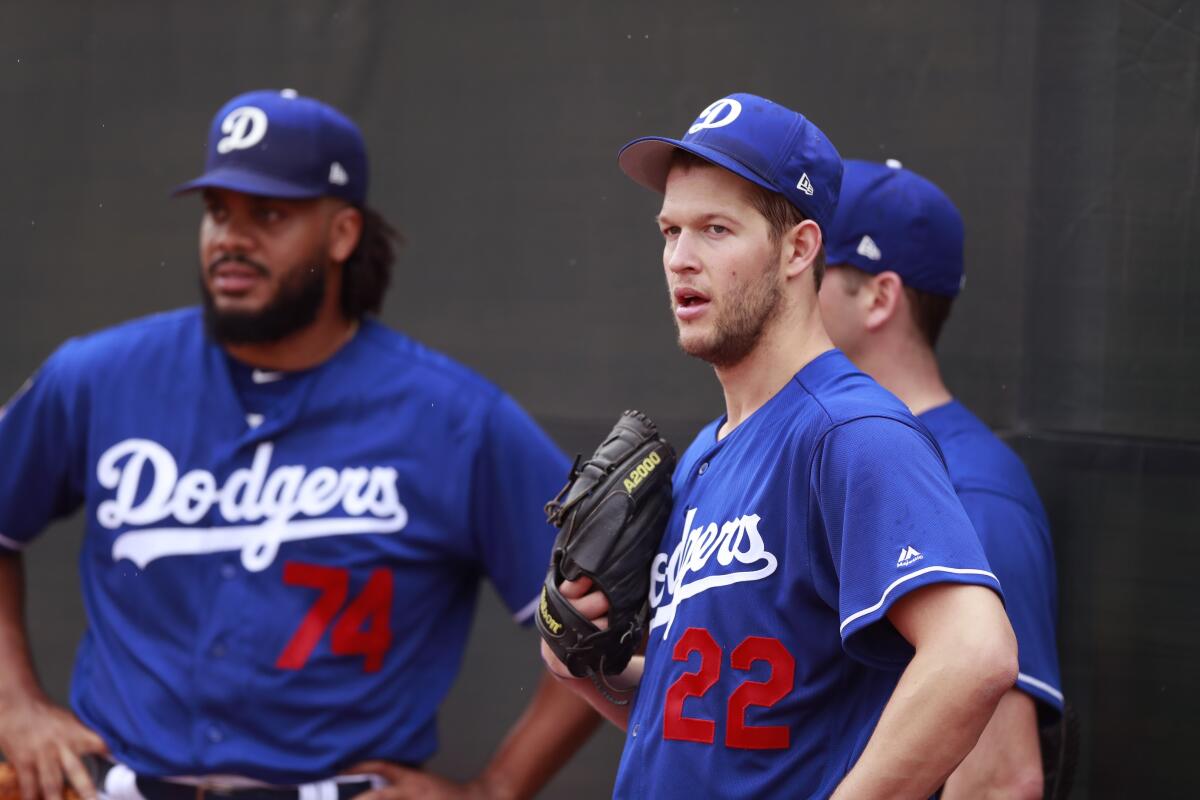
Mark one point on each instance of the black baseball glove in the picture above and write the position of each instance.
(611, 516)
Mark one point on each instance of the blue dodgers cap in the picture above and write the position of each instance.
(890, 218)
(280, 144)
(754, 138)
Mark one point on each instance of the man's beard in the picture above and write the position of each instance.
(739, 326)
(293, 307)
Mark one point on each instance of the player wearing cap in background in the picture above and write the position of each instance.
(895, 252)
(823, 618)
(288, 509)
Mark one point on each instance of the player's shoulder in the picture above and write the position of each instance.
(128, 342)
(394, 356)
(828, 404)
(840, 393)
(978, 460)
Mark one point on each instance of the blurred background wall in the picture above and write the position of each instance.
(1068, 133)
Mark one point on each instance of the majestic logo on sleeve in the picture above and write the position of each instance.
(908, 555)
(149, 489)
(740, 554)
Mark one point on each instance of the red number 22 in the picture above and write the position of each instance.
(749, 693)
(364, 628)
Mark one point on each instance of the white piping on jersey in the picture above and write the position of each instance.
(527, 612)
(1045, 687)
(11, 544)
(909, 577)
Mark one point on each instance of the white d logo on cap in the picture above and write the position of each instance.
(245, 126)
(711, 116)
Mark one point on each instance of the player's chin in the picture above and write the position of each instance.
(693, 340)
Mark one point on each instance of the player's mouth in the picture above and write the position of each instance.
(234, 275)
(689, 303)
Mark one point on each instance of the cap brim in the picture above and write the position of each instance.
(239, 180)
(648, 160)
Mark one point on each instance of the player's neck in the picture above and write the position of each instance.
(795, 339)
(306, 348)
(908, 369)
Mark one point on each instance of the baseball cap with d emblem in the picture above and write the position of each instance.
(280, 144)
(891, 218)
(761, 141)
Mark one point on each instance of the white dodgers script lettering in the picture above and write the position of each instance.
(740, 553)
(267, 500)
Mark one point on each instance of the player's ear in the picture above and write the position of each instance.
(345, 229)
(885, 297)
(801, 244)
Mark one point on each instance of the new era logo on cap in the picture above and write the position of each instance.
(756, 139)
(281, 144)
(869, 249)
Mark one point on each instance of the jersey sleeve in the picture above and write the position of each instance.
(517, 470)
(42, 475)
(892, 523)
(1017, 544)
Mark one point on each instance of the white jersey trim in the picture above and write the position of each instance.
(1035, 683)
(11, 544)
(527, 612)
(917, 574)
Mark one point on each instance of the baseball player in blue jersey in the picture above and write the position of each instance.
(824, 621)
(288, 510)
(895, 250)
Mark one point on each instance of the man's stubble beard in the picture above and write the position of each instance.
(740, 324)
(294, 307)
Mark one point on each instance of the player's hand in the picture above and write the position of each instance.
(405, 783)
(588, 601)
(43, 743)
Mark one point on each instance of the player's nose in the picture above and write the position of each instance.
(230, 235)
(680, 254)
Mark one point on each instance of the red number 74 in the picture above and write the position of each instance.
(372, 609)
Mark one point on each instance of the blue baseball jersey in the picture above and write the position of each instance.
(770, 658)
(1003, 504)
(279, 569)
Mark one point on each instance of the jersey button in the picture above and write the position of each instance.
(218, 650)
(228, 571)
(703, 468)
(214, 734)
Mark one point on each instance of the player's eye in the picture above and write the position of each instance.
(718, 229)
(270, 214)
(670, 231)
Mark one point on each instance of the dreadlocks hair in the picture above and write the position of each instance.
(367, 273)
